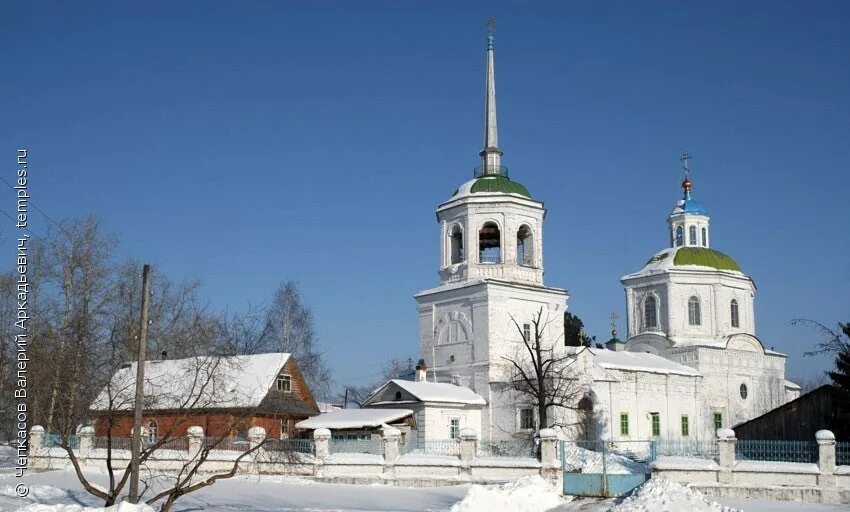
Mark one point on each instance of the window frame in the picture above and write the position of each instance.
(624, 424)
(526, 332)
(685, 426)
(692, 236)
(717, 419)
(704, 237)
(743, 390)
(454, 427)
(680, 236)
(281, 379)
(527, 244)
(457, 254)
(655, 423)
(735, 313)
(646, 310)
(522, 420)
(694, 311)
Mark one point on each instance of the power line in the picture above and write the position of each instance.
(28, 229)
(30, 202)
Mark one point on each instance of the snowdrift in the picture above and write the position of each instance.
(529, 494)
(659, 495)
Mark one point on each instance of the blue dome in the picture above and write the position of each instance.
(693, 206)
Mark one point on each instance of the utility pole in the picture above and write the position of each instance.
(140, 389)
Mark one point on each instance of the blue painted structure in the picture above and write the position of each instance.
(602, 484)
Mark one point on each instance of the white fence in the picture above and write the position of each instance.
(322, 459)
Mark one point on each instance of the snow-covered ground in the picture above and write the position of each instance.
(57, 491)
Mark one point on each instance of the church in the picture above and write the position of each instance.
(691, 362)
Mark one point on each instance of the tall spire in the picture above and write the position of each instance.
(686, 184)
(491, 155)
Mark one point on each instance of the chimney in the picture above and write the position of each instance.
(421, 371)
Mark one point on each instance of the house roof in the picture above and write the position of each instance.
(354, 418)
(433, 392)
(637, 361)
(209, 382)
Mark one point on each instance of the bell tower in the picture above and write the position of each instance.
(491, 274)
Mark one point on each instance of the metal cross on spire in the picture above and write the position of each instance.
(613, 319)
(685, 159)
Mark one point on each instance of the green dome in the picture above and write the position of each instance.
(496, 183)
(704, 257)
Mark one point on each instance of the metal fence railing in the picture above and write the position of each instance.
(698, 448)
(53, 440)
(371, 446)
(779, 451)
(432, 447)
(227, 443)
(174, 443)
(118, 443)
(515, 448)
(842, 453)
(290, 445)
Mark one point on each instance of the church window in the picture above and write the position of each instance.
(524, 247)
(692, 235)
(718, 420)
(685, 426)
(454, 428)
(656, 423)
(526, 418)
(680, 236)
(650, 312)
(456, 240)
(624, 423)
(694, 314)
(734, 310)
(526, 332)
(490, 244)
(704, 237)
(453, 332)
(743, 391)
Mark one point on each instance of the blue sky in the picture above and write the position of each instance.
(249, 143)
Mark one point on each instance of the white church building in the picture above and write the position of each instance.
(691, 362)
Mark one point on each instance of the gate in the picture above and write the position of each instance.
(605, 468)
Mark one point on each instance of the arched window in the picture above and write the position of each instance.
(733, 306)
(152, 431)
(454, 332)
(490, 243)
(694, 315)
(456, 242)
(398, 395)
(524, 247)
(586, 419)
(680, 236)
(650, 313)
(692, 235)
(704, 237)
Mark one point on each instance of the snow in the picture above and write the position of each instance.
(433, 392)
(354, 418)
(791, 385)
(121, 507)
(660, 495)
(530, 494)
(581, 460)
(767, 466)
(684, 463)
(640, 361)
(824, 435)
(223, 382)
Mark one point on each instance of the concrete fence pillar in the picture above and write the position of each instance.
(36, 440)
(195, 435)
(322, 440)
(826, 458)
(390, 437)
(86, 441)
(256, 435)
(726, 443)
(468, 445)
(549, 465)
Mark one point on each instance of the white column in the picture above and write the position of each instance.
(196, 440)
(826, 458)
(726, 442)
(322, 439)
(86, 440)
(36, 439)
(390, 437)
(256, 435)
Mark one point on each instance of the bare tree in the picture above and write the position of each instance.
(540, 373)
(391, 369)
(835, 342)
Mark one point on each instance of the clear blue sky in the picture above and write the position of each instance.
(249, 143)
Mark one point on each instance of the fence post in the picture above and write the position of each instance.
(826, 458)
(196, 441)
(322, 439)
(390, 437)
(256, 435)
(468, 449)
(549, 465)
(36, 440)
(86, 440)
(726, 443)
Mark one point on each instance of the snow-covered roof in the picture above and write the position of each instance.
(688, 258)
(195, 383)
(640, 361)
(433, 392)
(791, 385)
(354, 418)
(327, 407)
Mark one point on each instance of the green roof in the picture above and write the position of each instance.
(496, 183)
(705, 257)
